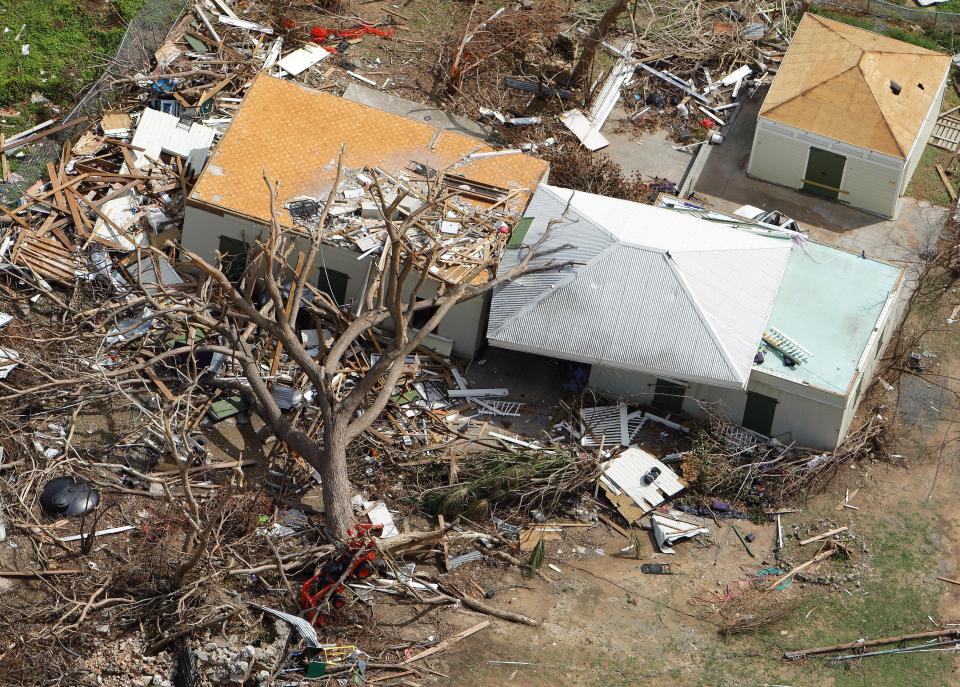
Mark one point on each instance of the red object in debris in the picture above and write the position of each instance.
(354, 561)
(707, 123)
(320, 34)
(503, 228)
(289, 24)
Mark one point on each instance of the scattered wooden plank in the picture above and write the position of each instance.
(4, 163)
(864, 643)
(946, 132)
(946, 183)
(449, 641)
(612, 525)
(38, 573)
(823, 555)
(947, 579)
(828, 533)
(19, 143)
(847, 498)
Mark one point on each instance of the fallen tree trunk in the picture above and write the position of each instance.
(864, 643)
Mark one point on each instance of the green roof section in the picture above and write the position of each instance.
(829, 303)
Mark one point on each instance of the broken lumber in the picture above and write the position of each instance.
(19, 143)
(864, 643)
(946, 183)
(38, 573)
(803, 566)
(828, 533)
(449, 641)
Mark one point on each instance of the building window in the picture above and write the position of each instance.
(669, 395)
(334, 284)
(879, 350)
(233, 257)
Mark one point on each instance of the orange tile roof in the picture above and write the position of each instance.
(292, 134)
(835, 81)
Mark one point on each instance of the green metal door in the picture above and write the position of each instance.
(669, 395)
(758, 413)
(824, 173)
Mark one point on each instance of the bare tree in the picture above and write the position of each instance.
(391, 299)
(599, 32)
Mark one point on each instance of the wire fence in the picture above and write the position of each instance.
(926, 17)
(144, 34)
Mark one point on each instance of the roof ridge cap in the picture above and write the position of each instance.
(883, 114)
(832, 29)
(695, 304)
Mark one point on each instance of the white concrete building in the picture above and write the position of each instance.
(848, 115)
(292, 135)
(673, 310)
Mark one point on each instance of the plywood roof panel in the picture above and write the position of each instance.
(292, 134)
(835, 81)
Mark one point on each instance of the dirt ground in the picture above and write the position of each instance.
(605, 623)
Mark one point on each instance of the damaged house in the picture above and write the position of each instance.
(685, 313)
(848, 115)
(292, 135)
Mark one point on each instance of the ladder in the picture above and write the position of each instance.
(498, 408)
(786, 345)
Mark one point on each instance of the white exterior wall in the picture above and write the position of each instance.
(464, 324)
(808, 416)
(887, 325)
(871, 181)
(921, 143)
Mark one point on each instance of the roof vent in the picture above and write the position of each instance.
(895, 88)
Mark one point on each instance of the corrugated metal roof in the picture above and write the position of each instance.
(652, 290)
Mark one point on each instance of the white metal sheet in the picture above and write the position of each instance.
(302, 59)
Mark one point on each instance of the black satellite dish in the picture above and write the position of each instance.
(68, 496)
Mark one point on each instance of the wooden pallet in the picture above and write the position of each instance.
(946, 132)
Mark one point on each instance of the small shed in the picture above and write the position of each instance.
(848, 115)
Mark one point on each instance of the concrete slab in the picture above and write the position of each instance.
(534, 380)
(724, 184)
(416, 111)
(651, 155)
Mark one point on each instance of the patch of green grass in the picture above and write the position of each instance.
(899, 597)
(70, 43)
(931, 38)
(926, 183)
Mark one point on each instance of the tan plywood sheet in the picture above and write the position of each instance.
(292, 134)
(835, 81)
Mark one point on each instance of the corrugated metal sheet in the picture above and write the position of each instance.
(654, 290)
(160, 132)
(145, 271)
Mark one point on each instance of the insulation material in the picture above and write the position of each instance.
(121, 232)
(669, 531)
(9, 359)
